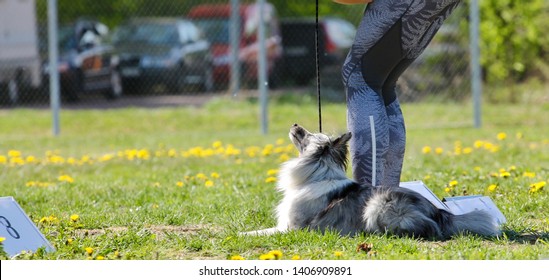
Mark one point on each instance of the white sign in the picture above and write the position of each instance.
(457, 205)
(20, 232)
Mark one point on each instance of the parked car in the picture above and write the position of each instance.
(214, 20)
(86, 63)
(20, 62)
(298, 36)
(167, 51)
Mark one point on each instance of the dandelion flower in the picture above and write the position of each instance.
(209, 183)
(502, 136)
(536, 187)
(2, 239)
(100, 258)
(505, 174)
(214, 175)
(237, 258)
(338, 254)
(276, 253)
(439, 150)
(453, 183)
(179, 184)
(272, 172)
(426, 150)
(296, 257)
(201, 176)
(492, 187)
(447, 190)
(267, 257)
(529, 174)
(74, 218)
(89, 250)
(65, 178)
(270, 179)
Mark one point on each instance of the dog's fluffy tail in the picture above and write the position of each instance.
(478, 222)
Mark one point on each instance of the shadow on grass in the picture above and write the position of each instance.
(527, 237)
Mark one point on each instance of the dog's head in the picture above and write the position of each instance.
(319, 146)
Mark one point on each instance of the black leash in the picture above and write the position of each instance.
(318, 71)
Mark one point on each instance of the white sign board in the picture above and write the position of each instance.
(20, 232)
(457, 205)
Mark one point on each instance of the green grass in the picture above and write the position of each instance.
(153, 184)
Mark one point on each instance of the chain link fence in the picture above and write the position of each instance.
(111, 51)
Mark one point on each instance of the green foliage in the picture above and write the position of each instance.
(513, 38)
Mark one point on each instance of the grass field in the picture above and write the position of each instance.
(180, 183)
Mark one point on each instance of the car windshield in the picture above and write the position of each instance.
(215, 30)
(66, 39)
(147, 33)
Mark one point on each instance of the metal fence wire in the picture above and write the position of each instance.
(112, 50)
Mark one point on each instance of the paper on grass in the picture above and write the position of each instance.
(457, 205)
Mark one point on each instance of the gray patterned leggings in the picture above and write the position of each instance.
(391, 35)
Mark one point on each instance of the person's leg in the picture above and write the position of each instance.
(381, 52)
(367, 117)
(397, 132)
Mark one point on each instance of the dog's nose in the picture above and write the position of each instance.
(295, 124)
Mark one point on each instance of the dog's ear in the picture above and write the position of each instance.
(342, 140)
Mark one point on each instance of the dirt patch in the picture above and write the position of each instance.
(160, 231)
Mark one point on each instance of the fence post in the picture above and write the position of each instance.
(234, 35)
(53, 64)
(262, 68)
(476, 78)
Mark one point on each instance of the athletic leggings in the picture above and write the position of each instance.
(390, 36)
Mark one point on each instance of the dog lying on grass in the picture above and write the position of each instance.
(318, 195)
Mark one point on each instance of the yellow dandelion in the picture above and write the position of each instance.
(280, 141)
(89, 250)
(477, 168)
(2, 239)
(504, 174)
(3, 159)
(439, 150)
(209, 183)
(492, 187)
(453, 183)
(478, 144)
(296, 257)
(267, 257)
(99, 258)
(426, 150)
(467, 150)
(74, 218)
(276, 253)
(272, 172)
(69, 241)
(201, 176)
(237, 258)
(502, 136)
(529, 174)
(338, 254)
(14, 153)
(447, 189)
(217, 144)
(283, 157)
(536, 187)
(427, 177)
(65, 178)
(270, 179)
(214, 175)
(179, 184)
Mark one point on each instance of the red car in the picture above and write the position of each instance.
(214, 20)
